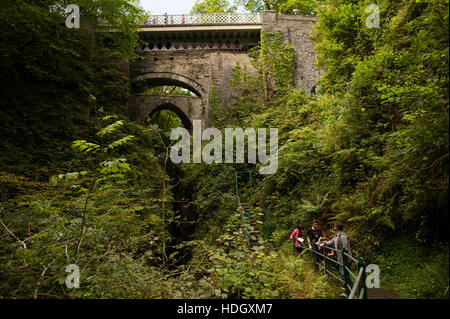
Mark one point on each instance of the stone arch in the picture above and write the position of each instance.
(177, 110)
(153, 79)
(188, 108)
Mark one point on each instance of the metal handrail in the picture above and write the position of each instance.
(351, 257)
(337, 250)
(243, 221)
(350, 272)
(362, 292)
(359, 279)
(204, 18)
(356, 285)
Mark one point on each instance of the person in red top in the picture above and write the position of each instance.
(298, 235)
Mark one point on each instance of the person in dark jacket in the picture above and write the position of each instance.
(313, 236)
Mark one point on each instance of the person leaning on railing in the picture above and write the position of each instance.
(341, 240)
(313, 236)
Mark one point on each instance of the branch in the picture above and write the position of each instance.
(42, 275)
(432, 165)
(20, 241)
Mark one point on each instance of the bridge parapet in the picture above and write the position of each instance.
(202, 19)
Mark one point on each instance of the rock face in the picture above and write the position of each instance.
(201, 61)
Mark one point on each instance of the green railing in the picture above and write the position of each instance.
(239, 204)
(251, 210)
(322, 260)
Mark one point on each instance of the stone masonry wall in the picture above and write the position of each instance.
(297, 30)
(205, 68)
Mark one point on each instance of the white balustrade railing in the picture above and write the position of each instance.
(205, 18)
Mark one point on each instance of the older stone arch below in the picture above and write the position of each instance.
(177, 110)
(188, 108)
(200, 72)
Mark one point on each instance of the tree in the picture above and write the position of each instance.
(260, 5)
(301, 7)
(50, 71)
(213, 6)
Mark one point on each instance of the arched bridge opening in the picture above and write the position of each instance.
(168, 116)
(151, 80)
(188, 108)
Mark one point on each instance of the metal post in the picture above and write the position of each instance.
(315, 256)
(362, 264)
(251, 187)
(346, 274)
(250, 206)
(236, 181)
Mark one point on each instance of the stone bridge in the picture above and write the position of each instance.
(199, 52)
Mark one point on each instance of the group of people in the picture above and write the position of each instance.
(313, 237)
(316, 242)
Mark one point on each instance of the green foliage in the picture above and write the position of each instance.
(371, 149)
(48, 223)
(229, 269)
(300, 7)
(217, 107)
(414, 270)
(212, 6)
(98, 219)
(51, 73)
(168, 90)
(259, 5)
(254, 273)
(166, 120)
(274, 61)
